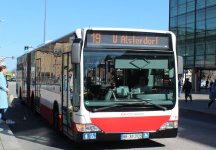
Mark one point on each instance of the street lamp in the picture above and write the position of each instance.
(2, 59)
(45, 21)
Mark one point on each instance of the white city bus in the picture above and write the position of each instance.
(104, 84)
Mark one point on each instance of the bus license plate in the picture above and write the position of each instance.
(133, 136)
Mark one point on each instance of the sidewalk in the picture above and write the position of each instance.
(199, 103)
(7, 140)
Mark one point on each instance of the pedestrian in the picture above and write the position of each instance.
(4, 96)
(187, 89)
(212, 94)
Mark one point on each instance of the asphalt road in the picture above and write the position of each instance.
(196, 131)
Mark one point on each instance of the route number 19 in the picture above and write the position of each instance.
(96, 38)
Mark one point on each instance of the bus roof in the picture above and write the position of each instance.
(127, 29)
(80, 31)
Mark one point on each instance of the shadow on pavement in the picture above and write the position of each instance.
(36, 130)
(198, 127)
(119, 145)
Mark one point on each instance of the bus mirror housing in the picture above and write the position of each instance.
(180, 65)
(75, 51)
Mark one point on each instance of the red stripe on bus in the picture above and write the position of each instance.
(46, 112)
(130, 124)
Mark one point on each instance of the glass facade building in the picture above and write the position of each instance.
(194, 23)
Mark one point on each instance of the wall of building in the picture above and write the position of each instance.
(194, 23)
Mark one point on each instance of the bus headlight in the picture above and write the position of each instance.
(87, 128)
(169, 125)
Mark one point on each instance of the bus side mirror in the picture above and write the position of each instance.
(75, 51)
(180, 65)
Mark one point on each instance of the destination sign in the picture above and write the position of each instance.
(117, 39)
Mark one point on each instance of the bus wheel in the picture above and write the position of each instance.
(32, 100)
(32, 104)
(20, 94)
(56, 118)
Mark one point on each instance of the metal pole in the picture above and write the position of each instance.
(45, 22)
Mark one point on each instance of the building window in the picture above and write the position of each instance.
(173, 3)
(181, 2)
(173, 12)
(199, 62)
(191, 17)
(189, 61)
(190, 49)
(200, 26)
(182, 9)
(210, 47)
(210, 2)
(211, 27)
(173, 22)
(200, 48)
(210, 60)
(181, 19)
(211, 12)
(200, 15)
(190, 28)
(200, 4)
(191, 6)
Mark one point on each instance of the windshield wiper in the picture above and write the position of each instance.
(107, 107)
(114, 105)
(128, 104)
(155, 105)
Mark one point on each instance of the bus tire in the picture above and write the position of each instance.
(56, 123)
(32, 104)
(20, 93)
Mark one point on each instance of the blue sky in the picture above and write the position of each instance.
(22, 21)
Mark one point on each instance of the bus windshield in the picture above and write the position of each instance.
(124, 80)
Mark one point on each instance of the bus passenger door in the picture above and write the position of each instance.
(37, 85)
(67, 94)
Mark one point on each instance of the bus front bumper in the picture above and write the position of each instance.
(94, 136)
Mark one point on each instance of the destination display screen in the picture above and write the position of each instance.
(119, 39)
